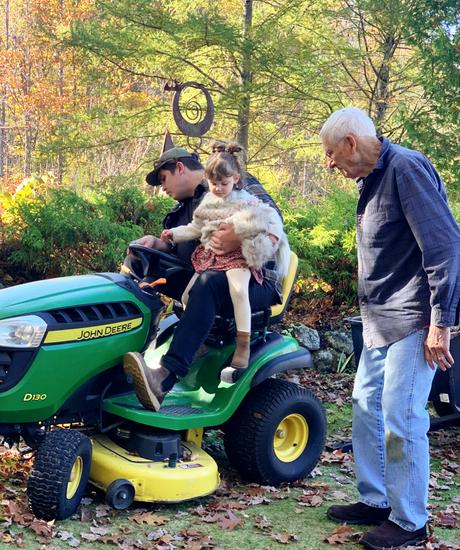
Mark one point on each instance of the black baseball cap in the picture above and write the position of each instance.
(171, 155)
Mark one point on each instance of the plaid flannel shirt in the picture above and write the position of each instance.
(408, 248)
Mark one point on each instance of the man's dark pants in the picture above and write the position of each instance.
(209, 297)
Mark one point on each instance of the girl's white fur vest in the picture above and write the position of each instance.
(253, 221)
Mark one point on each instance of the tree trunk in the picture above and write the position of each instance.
(382, 95)
(60, 159)
(3, 130)
(27, 83)
(246, 79)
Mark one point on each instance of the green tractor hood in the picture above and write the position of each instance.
(92, 321)
(39, 296)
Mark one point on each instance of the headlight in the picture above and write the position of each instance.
(22, 332)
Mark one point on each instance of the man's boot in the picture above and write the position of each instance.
(389, 535)
(358, 513)
(148, 381)
(240, 358)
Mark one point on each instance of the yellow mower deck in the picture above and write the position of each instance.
(154, 481)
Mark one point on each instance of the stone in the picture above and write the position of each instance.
(326, 360)
(307, 337)
(340, 341)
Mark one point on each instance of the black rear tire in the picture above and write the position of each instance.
(257, 439)
(60, 473)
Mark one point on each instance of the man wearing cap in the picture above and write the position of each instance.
(181, 176)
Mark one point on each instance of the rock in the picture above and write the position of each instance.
(340, 341)
(326, 360)
(307, 337)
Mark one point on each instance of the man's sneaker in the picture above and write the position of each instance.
(147, 380)
(389, 536)
(358, 513)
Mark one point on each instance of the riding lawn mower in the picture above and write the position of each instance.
(64, 392)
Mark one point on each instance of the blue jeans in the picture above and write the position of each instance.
(390, 425)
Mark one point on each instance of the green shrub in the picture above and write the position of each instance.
(125, 203)
(323, 236)
(56, 231)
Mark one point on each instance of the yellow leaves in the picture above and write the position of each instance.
(312, 284)
(136, 100)
(26, 191)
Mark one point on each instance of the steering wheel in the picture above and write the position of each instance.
(149, 262)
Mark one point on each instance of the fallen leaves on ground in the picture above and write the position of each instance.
(284, 538)
(336, 457)
(147, 518)
(342, 535)
(263, 524)
(448, 518)
(227, 520)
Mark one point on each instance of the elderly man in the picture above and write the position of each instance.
(409, 292)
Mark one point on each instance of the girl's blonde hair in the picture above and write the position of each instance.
(225, 161)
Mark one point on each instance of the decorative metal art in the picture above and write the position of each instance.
(192, 117)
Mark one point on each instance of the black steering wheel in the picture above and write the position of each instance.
(148, 262)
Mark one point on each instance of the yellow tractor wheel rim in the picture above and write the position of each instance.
(291, 438)
(75, 477)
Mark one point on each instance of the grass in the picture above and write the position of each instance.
(265, 518)
(309, 525)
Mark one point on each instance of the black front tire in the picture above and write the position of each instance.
(251, 436)
(60, 473)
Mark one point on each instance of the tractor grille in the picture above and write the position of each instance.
(118, 311)
(13, 365)
(5, 363)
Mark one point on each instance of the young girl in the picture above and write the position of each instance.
(258, 226)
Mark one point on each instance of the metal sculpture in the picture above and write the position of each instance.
(191, 119)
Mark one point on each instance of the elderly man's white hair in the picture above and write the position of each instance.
(349, 120)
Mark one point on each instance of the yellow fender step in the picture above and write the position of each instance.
(154, 481)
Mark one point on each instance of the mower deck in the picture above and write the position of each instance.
(154, 481)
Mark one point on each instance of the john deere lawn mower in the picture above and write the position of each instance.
(63, 390)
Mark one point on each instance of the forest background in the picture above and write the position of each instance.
(84, 103)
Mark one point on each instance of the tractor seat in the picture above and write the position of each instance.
(224, 328)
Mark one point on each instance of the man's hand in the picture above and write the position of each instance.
(436, 348)
(224, 240)
(150, 241)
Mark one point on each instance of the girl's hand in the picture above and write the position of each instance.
(274, 239)
(166, 235)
